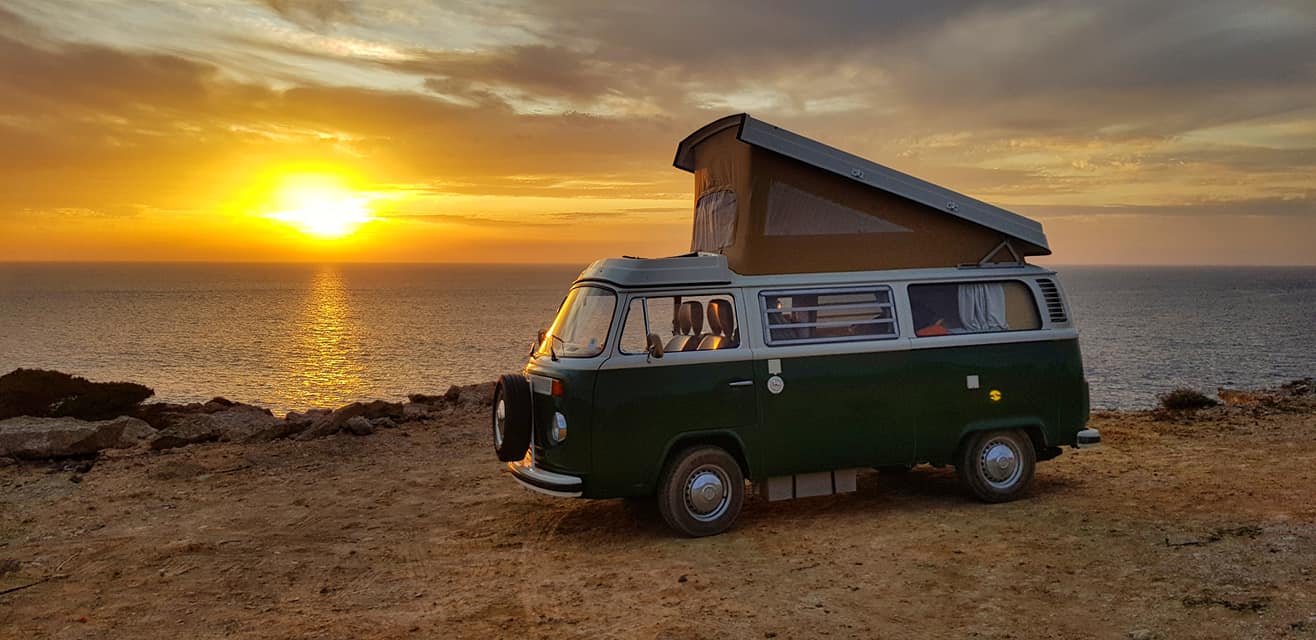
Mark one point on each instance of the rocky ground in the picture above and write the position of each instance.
(1193, 525)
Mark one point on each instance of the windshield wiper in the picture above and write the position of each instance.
(551, 353)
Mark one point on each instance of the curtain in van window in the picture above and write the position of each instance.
(982, 307)
(715, 221)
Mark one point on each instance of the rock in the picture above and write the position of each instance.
(332, 423)
(41, 393)
(218, 404)
(359, 425)
(412, 412)
(235, 422)
(383, 409)
(453, 394)
(246, 423)
(421, 398)
(39, 438)
(1300, 387)
(180, 431)
(384, 423)
(478, 394)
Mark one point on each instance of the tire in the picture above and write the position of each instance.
(688, 493)
(997, 466)
(511, 417)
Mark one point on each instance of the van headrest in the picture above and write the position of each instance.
(721, 318)
(690, 318)
(696, 316)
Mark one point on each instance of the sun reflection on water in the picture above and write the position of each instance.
(327, 361)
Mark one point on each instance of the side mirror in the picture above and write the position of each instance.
(655, 348)
(539, 339)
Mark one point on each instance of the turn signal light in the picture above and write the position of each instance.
(557, 389)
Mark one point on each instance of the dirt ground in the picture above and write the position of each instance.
(1192, 529)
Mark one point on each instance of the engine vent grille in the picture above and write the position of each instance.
(1051, 296)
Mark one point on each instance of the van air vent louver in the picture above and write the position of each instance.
(1051, 295)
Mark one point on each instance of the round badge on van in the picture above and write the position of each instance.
(776, 384)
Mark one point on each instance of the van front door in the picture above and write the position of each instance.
(703, 384)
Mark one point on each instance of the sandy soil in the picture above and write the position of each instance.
(1191, 529)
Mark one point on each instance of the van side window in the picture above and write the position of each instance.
(634, 335)
(828, 315)
(704, 322)
(972, 307)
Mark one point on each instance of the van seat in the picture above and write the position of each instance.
(689, 327)
(722, 324)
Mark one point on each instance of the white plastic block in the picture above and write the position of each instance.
(813, 484)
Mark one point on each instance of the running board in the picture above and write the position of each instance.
(808, 485)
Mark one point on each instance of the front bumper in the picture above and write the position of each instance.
(1087, 438)
(548, 482)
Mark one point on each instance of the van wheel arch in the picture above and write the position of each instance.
(725, 441)
(1035, 435)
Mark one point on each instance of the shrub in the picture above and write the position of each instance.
(41, 393)
(1185, 400)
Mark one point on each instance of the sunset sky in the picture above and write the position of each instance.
(1174, 132)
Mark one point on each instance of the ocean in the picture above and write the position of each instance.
(299, 336)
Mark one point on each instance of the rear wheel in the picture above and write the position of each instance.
(997, 466)
(701, 491)
(511, 417)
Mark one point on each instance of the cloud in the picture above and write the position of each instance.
(1056, 106)
(313, 14)
(1298, 206)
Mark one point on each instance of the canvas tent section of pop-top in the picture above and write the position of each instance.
(773, 201)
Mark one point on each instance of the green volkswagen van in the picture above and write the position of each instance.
(681, 379)
(834, 314)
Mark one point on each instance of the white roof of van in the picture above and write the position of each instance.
(711, 270)
(811, 152)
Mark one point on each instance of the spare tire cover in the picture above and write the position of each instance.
(511, 417)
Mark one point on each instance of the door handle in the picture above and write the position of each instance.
(741, 383)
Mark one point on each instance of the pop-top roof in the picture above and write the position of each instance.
(811, 152)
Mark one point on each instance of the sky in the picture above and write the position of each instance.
(1169, 132)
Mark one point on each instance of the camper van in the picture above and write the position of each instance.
(834, 315)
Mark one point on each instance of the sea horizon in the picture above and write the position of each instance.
(296, 335)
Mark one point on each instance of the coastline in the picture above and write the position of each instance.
(1189, 524)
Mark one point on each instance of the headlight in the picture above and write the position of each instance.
(559, 431)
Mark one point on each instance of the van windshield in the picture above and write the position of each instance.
(581, 327)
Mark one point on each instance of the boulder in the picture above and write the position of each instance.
(453, 394)
(327, 425)
(218, 404)
(40, 438)
(37, 392)
(359, 425)
(415, 412)
(384, 423)
(180, 431)
(382, 409)
(246, 423)
(232, 422)
(478, 394)
(421, 398)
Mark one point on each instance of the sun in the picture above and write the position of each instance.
(320, 205)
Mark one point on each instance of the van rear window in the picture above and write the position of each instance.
(828, 315)
(972, 307)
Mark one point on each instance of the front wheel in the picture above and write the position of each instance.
(701, 491)
(997, 466)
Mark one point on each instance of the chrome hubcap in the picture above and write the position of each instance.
(1000, 464)
(706, 493)
(500, 419)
